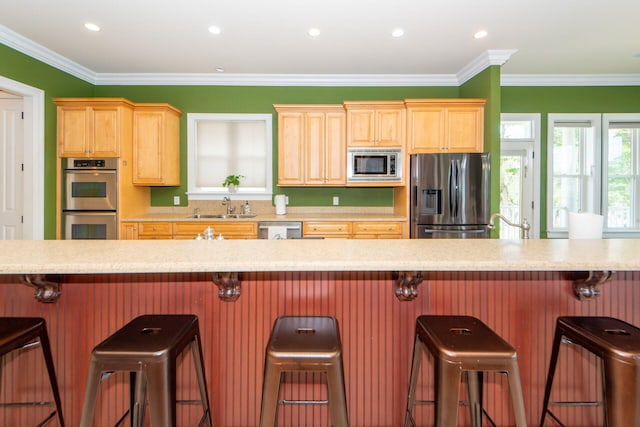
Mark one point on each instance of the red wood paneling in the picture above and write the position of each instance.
(376, 329)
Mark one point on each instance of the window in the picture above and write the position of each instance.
(594, 166)
(519, 173)
(621, 191)
(573, 168)
(229, 144)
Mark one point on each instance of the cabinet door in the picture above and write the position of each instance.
(314, 148)
(128, 231)
(361, 128)
(73, 131)
(105, 126)
(290, 148)
(326, 229)
(154, 230)
(426, 129)
(156, 145)
(389, 127)
(335, 149)
(229, 229)
(466, 129)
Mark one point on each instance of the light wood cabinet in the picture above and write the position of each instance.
(311, 145)
(327, 229)
(445, 125)
(377, 230)
(229, 229)
(128, 231)
(375, 124)
(155, 230)
(93, 127)
(156, 145)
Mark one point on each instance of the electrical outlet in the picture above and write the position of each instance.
(286, 200)
(336, 200)
(176, 200)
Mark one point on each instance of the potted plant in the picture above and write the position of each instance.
(232, 182)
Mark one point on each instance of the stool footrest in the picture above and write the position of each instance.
(302, 402)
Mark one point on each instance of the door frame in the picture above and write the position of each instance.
(33, 155)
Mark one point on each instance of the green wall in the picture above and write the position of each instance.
(260, 99)
(578, 99)
(55, 83)
(247, 99)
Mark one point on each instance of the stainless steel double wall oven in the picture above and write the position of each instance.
(89, 199)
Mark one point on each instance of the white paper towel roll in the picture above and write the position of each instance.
(281, 204)
(585, 225)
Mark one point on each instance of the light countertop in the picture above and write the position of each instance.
(162, 256)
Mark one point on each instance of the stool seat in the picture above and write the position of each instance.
(304, 343)
(148, 347)
(462, 344)
(617, 344)
(17, 332)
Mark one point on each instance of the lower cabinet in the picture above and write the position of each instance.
(154, 230)
(326, 229)
(353, 230)
(249, 230)
(377, 230)
(229, 230)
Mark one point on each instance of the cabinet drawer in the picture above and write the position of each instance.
(230, 230)
(321, 228)
(377, 227)
(147, 229)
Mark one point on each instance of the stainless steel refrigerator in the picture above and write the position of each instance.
(450, 195)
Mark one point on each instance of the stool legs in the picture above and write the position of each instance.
(557, 340)
(447, 387)
(270, 390)
(622, 379)
(48, 358)
(337, 398)
(515, 388)
(413, 381)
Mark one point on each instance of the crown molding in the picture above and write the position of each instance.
(43, 54)
(486, 59)
(570, 80)
(276, 79)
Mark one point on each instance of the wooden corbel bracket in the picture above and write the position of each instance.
(46, 291)
(406, 285)
(587, 288)
(229, 286)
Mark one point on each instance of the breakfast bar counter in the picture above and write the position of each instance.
(175, 256)
(518, 288)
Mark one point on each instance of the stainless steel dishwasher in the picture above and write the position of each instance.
(279, 230)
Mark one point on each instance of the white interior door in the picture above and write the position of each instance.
(11, 169)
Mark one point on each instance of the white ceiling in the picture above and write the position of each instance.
(575, 37)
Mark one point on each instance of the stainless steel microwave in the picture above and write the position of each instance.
(374, 165)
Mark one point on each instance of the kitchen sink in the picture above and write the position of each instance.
(221, 216)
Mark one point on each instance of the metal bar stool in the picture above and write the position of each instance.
(24, 332)
(304, 343)
(617, 344)
(462, 344)
(148, 347)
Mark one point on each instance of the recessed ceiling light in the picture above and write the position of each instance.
(91, 26)
(398, 32)
(220, 69)
(480, 34)
(314, 32)
(214, 29)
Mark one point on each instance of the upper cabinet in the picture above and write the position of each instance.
(375, 124)
(445, 125)
(156, 145)
(311, 145)
(93, 127)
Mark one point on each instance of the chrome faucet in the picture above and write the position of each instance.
(226, 201)
(525, 227)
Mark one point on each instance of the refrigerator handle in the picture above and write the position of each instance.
(451, 190)
(457, 188)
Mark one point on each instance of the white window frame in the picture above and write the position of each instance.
(596, 121)
(218, 192)
(617, 232)
(532, 181)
